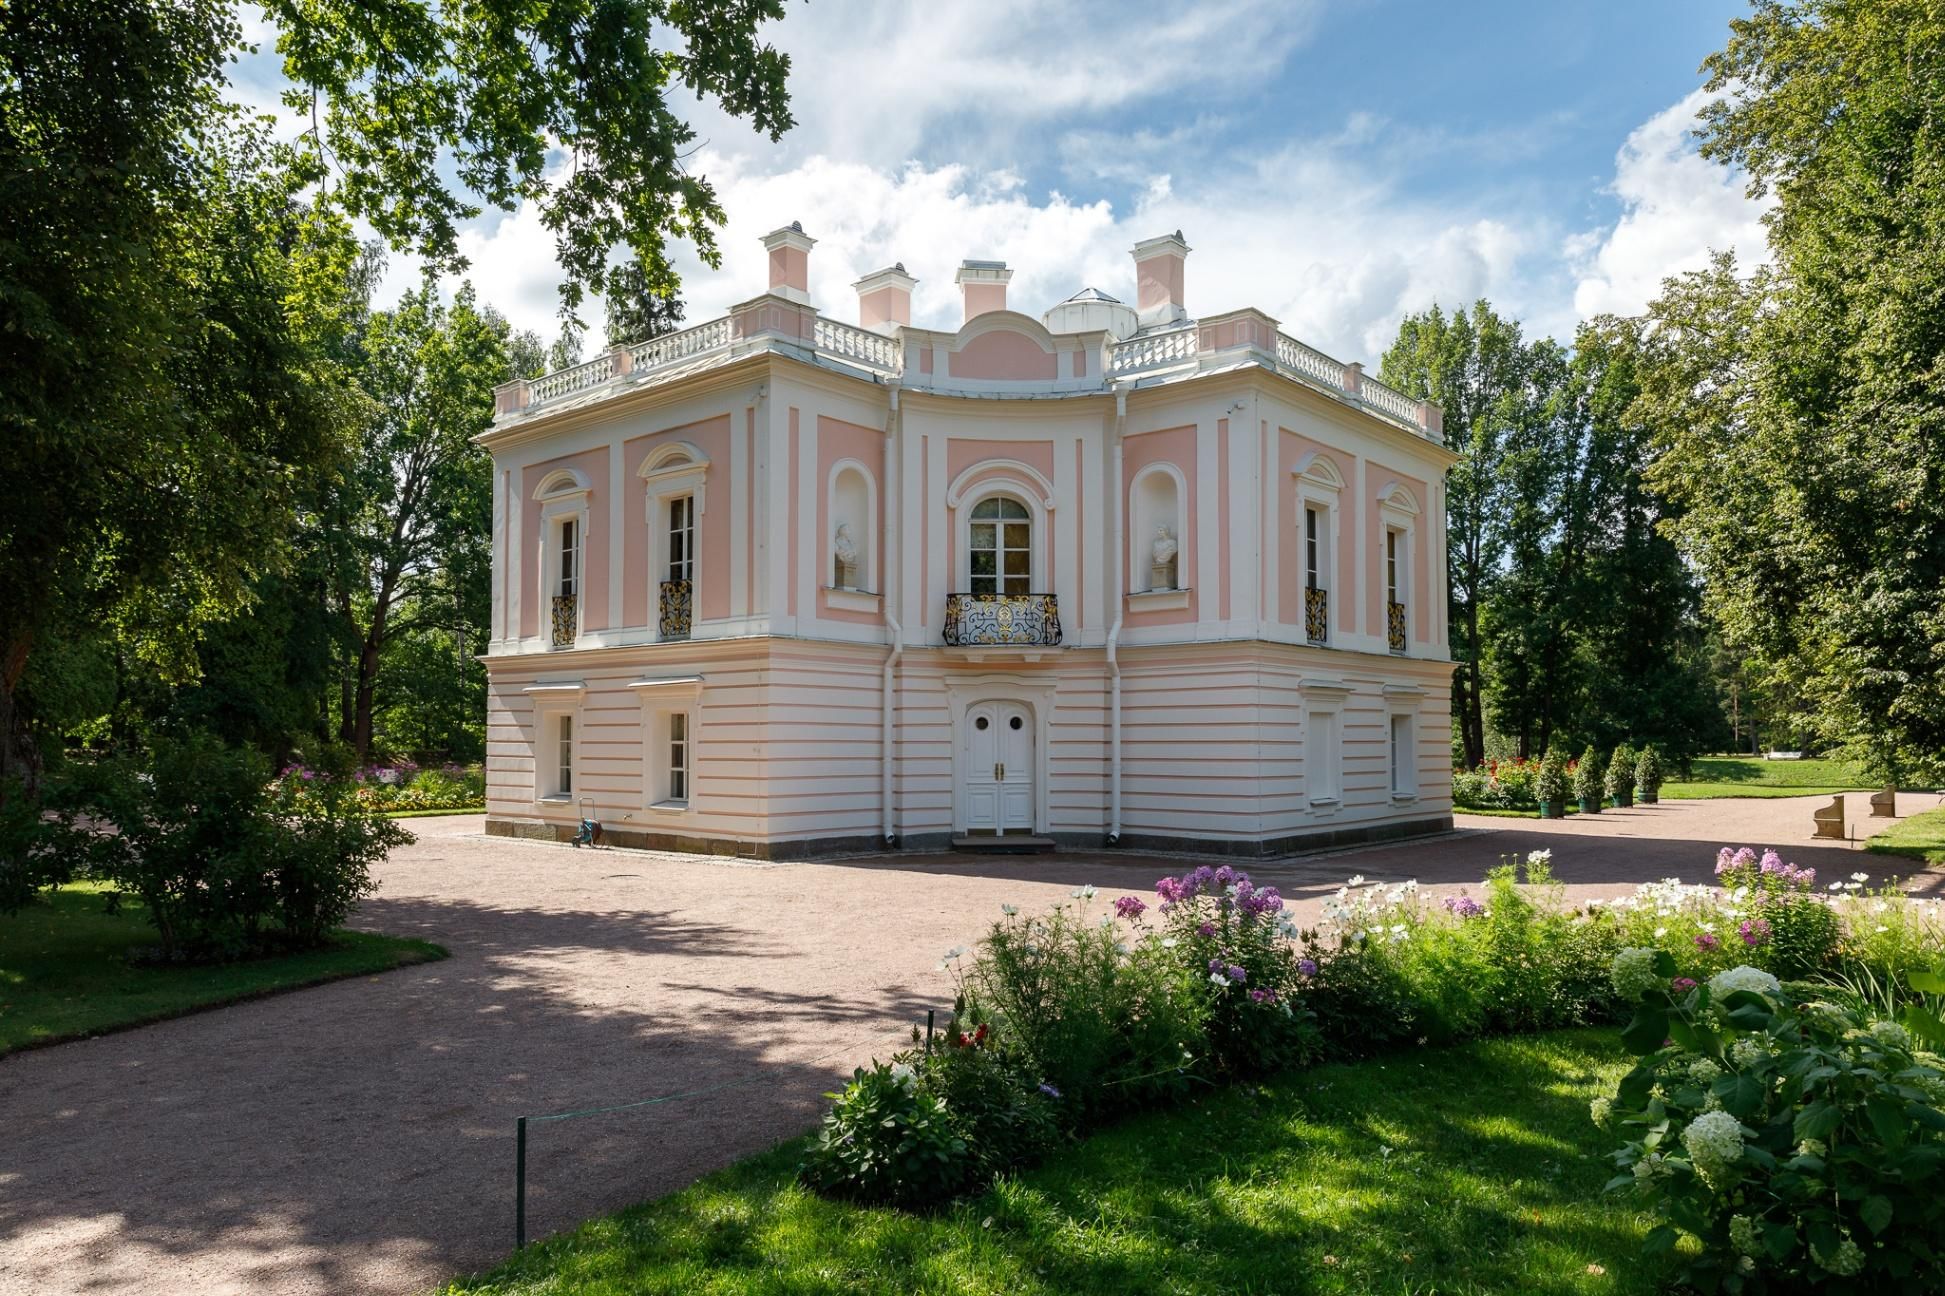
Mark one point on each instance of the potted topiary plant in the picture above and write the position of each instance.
(1550, 785)
(1647, 776)
(1619, 782)
(1587, 781)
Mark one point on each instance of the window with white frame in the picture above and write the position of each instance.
(1404, 763)
(1313, 547)
(678, 746)
(1323, 756)
(562, 784)
(568, 583)
(1393, 590)
(1001, 549)
(562, 540)
(682, 538)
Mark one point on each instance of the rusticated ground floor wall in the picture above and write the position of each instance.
(1239, 747)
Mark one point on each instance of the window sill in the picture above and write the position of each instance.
(1325, 805)
(851, 600)
(670, 807)
(552, 800)
(1404, 798)
(1157, 600)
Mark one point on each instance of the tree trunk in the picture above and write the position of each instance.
(1474, 723)
(19, 756)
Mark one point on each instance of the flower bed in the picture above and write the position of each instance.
(405, 787)
(1074, 1017)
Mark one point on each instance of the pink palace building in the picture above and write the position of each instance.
(781, 584)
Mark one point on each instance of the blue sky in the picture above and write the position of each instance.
(1333, 163)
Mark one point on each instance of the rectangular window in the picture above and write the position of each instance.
(570, 557)
(1312, 550)
(1391, 566)
(682, 538)
(1320, 757)
(1404, 772)
(679, 756)
(564, 773)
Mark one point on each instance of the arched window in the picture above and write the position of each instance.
(1002, 547)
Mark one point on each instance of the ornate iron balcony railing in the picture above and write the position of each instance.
(677, 609)
(1394, 626)
(1316, 615)
(1001, 620)
(567, 621)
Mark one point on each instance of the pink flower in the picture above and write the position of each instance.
(1130, 907)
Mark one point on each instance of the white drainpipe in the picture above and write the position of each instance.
(1118, 542)
(889, 583)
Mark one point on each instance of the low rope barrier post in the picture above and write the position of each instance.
(928, 1029)
(520, 1184)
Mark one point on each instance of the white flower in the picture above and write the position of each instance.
(1746, 1052)
(1744, 978)
(1846, 1262)
(1704, 1071)
(1634, 974)
(1742, 1235)
(1836, 886)
(1660, 932)
(1539, 857)
(1811, 1148)
(1890, 1034)
(1860, 877)
(1602, 1110)
(1168, 942)
(1714, 1144)
(1084, 892)
(903, 1073)
(1009, 910)
(1358, 880)
(1218, 980)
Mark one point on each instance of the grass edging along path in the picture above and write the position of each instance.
(1469, 1169)
(434, 814)
(64, 970)
(1921, 837)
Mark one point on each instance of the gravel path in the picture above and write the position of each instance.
(358, 1137)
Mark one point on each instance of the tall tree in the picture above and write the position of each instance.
(1812, 473)
(1476, 366)
(413, 518)
(636, 312)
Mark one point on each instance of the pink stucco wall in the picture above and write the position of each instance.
(838, 440)
(638, 604)
(1175, 446)
(1005, 355)
(592, 465)
(1289, 528)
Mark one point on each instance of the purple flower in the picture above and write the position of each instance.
(1261, 900)
(1707, 941)
(1130, 907)
(1200, 878)
(1049, 1090)
(1262, 996)
(1171, 890)
(1754, 931)
(1224, 876)
(1205, 929)
(1236, 973)
(1682, 985)
(1464, 906)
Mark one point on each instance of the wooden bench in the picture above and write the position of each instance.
(1884, 805)
(1830, 820)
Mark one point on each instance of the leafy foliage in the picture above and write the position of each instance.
(887, 1140)
(1800, 1141)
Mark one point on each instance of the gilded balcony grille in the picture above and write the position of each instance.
(567, 621)
(1001, 620)
(1316, 615)
(677, 610)
(1394, 626)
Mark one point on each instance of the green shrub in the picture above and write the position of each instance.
(1587, 776)
(37, 849)
(227, 865)
(1551, 783)
(1801, 1143)
(1647, 772)
(886, 1140)
(1005, 1119)
(1620, 772)
(1108, 1022)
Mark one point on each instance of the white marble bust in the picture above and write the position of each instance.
(1164, 551)
(844, 546)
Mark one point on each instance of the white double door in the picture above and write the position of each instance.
(999, 790)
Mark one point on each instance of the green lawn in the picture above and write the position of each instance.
(1752, 776)
(1922, 837)
(1465, 1170)
(64, 971)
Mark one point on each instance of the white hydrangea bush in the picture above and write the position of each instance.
(1801, 1142)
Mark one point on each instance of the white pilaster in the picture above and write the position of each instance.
(616, 476)
(739, 514)
(1208, 532)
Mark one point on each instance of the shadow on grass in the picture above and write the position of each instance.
(1466, 1170)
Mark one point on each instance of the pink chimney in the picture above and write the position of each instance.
(885, 299)
(789, 250)
(984, 285)
(1158, 279)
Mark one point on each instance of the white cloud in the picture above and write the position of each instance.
(1677, 206)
